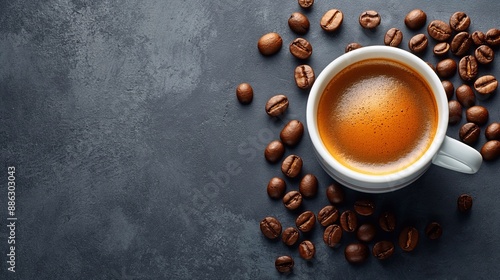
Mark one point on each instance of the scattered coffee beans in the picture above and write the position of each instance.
(477, 114)
(364, 207)
(270, 43)
(408, 239)
(274, 151)
(328, 215)
(349, 221)
(305, 3)
(446, 68)
(466, 96)
(415, 19)
(418, 43)
(383, 250)
(270, 227)
(441, 49)
(491, 150)
(464, 203)
(307, 249)
(369, 19)
(433, 230)
(276, 188)
(332, 20)
(467, 68)
(308, 186)
(366, 232)
(459, 21)
(304, 76)
(352, 46)
(455, 112)
(298, 23)
(332, 235)
(292, 200)
(469, 133)
(284, 264)
(356, 253)
(484, 54)
(277, 105)
(291, 166)
(393, 37)
(290, 236)
(448, 88)
(244, 93)
(493, 37)
(301, 48)
(305, 222)
(292, 132)
(478, 37)
(460, 44)
(486, 84)
(439, 30)
(335, 193)
(492, 132)
(387, 221)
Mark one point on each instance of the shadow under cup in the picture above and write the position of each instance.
(390, 178)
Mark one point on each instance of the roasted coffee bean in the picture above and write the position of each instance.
(431, 66)
(291, 166)
(352, 46)
(292, 200)
(305, 3)
(304, 76)
(441, 49)
(467, 68)
(298, 23)
(277, 105)
(307, 249)
(270, 43)
(461, 43)
(479, 38)
(290, 236)
(270, 227)
(301, 48)
(274, 151)
(466, 96)
(308, 186)
(364, 207)
(477, 114)
(433, 230)
(408, 239)
(332, 20)
(383, 250)
(491, 150)
(328, 215)
(492, 132)
(493, 37)
(369, 19)
(484, 54)
(446, 68)
(455, 112)
(387, 221)
(349, 221)
(448, 88)
(415, 19)
(276, 188)
(393, 37)
(305, 222)
(469, 133)
(356, 253)
(439, 30)
(244, 93)
(418, 43)
(292, 132)
(332, 235)
(464, 203)
(284, 264)
(335, 193)
(486, 84)
(366, 232)
(459, 21)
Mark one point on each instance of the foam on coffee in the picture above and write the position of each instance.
(377, 116)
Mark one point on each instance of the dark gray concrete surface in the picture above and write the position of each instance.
(135, 161)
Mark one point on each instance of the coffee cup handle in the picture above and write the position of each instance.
(457, 156)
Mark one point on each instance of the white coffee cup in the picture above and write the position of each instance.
(443, 150)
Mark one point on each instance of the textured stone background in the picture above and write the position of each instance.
(135, 161)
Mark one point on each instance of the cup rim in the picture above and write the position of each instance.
(377, 181)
